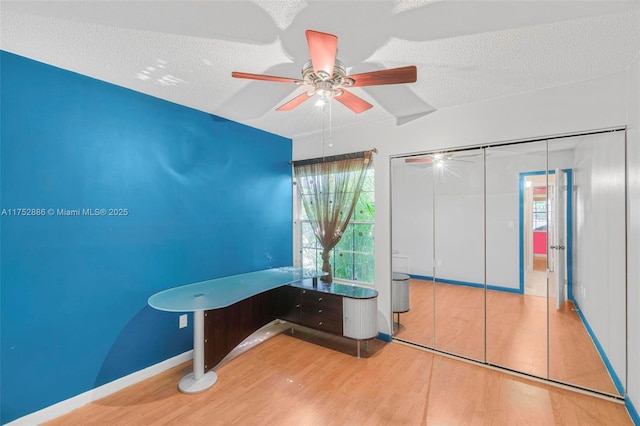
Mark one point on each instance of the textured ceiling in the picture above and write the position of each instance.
(465, 51)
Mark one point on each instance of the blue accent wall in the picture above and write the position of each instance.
(204, 197)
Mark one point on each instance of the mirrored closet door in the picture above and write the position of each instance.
(515, 256)
(412, 249)
(438, 224)
(587, 262)
(459, 253)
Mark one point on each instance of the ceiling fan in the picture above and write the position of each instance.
(324, 75)
(439, 159)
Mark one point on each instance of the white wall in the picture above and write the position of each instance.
(633, 235)
(589, 105)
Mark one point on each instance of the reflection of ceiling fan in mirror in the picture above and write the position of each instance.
(440, 159)
(324, 75)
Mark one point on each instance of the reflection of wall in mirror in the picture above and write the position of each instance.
(457, 241)
(412, 218)
(413, 232)
(400, 264)
(540, 243)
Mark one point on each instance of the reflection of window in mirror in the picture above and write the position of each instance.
(536, 224)
(539, 214)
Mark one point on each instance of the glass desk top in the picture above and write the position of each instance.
(222, 292)
(345, 290)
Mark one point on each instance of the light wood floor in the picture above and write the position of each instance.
(516, 332)
(290, 381)
(535, 283)
(540, 263)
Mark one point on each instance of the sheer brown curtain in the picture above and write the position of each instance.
(329, 188)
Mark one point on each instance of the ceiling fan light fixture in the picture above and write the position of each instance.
(313, 77)
(325, 86)
(325, 94)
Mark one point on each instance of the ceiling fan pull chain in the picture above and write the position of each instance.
(324, 115)
(330, 123)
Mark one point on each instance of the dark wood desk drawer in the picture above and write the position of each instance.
(321, 323)
(329, 312)
(321, 311)
(314, 301)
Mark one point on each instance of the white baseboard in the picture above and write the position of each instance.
(68, 405)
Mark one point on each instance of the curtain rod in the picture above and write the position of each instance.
(339, 157)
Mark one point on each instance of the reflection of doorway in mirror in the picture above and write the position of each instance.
(536, 232)
(544, 239)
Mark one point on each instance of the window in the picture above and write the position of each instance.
(540, 209)
(352, 259)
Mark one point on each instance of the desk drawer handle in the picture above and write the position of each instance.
(320, 323)
(319, 299)
(319, 311)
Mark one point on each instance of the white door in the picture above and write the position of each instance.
(559, 243)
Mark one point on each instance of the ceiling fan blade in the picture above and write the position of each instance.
(353, 102)
(391, 76)
(289, 105)
(322, 48)
(426, 160)
(264, 77)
